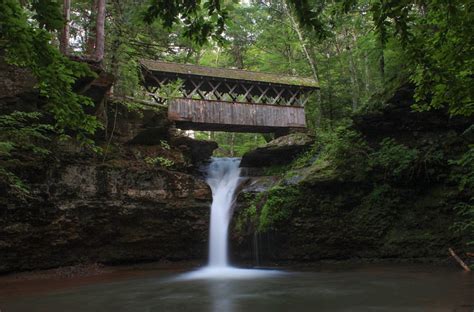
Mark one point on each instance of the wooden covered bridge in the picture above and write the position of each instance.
(216, 99)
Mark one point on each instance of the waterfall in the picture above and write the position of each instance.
(223, 177)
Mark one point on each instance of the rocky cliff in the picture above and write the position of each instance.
(142, 199)
(383, 189)
(90, 212)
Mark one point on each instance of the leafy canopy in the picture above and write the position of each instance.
(28, 46)
(435, 34)
(202, 19)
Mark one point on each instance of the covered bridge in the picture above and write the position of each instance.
(217, 99)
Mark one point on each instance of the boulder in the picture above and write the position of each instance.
(150, 127)
(198, 151)
(280, 151)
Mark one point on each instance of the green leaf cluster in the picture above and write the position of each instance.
(161, 161)
(28, 46)
(463, 175)
(202, 19)
(394, 161)
(21, 133)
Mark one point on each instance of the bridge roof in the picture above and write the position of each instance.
(222, 73)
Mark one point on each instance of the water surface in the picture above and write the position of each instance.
(340, 288)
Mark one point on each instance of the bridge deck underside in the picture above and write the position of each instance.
(232, 116)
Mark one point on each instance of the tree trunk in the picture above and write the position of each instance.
(367, 73)
(100, 31)
(310, 59)
(64, 40)
(353, 71)
(91, 29)
(354, 82)
(382, 65)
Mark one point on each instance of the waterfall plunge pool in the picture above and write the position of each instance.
(342, 287)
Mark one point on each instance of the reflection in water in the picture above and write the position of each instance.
(221, 294)
(382, 288)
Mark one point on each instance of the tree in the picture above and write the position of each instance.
(64, 40)
(436, 37)
(100, 31)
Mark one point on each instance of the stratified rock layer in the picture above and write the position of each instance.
(86, 212)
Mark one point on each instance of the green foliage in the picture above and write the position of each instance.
(276, 170)
(245, 217)
(160, 160)
(201, 18)
(278, 207)
(377, 211)
(171, 90)
(395, 161)
(232, 144)
(346, 152)
(442, 49)
(30, 47)
(465, 222)
(20, 133)
(48, 14)
(463, 174)
(307, 158)
(165, 145)
(436, 37)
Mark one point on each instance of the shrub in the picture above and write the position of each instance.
(162, 161)
(395, 161)
(346, 152)
(464, 176)
(20, 132)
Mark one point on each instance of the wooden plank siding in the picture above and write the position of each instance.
(234, 116)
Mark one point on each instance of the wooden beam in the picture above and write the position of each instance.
(263, 93)
(278, 96)
(201, 113)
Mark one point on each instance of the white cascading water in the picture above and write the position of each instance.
(223, 176)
